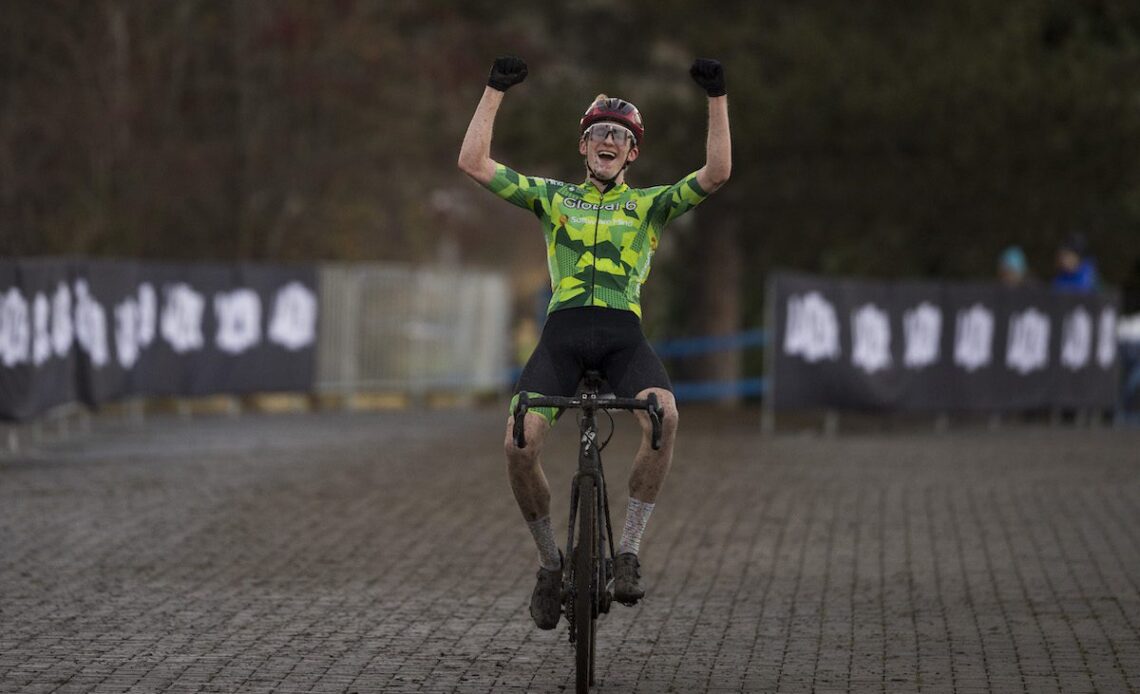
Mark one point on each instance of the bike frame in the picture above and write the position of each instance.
(590, 402)
(590, 465)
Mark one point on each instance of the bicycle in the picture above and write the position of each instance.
(587, 592)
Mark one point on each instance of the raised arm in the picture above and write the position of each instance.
(718, 150)
(475, 154)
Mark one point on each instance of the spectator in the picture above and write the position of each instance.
(1128, 334)
(1130, 291)
(1076, 270)
(1013, 270)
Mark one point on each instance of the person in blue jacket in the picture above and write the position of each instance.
(1076, 270)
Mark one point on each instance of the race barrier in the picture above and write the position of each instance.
(94, 331)
(694, 391)
(412, 330)
(938, 346)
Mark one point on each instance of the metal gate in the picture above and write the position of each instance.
(414, 330)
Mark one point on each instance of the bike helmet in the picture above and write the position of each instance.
(615, 110)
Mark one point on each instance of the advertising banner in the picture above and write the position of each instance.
(94, 331)
(842, 343)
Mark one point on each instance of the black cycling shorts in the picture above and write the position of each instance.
(591, 338)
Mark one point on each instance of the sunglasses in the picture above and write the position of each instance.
(598, 132)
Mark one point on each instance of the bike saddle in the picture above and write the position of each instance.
(592, 381)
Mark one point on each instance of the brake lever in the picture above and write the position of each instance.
(520, 419)
(655, 414)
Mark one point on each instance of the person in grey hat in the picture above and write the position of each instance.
(1013, 269)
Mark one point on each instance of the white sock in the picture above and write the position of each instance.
(636, 518)
(547, 548)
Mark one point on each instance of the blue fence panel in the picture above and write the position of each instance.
(711, 390)
(691, 391)
(692, 346)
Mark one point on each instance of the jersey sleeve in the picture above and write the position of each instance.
(528, 192)
(673, 201)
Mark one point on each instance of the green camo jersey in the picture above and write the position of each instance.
(598, 246)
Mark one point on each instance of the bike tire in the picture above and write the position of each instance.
(584, 578)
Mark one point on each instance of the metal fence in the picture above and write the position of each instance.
(413, 330)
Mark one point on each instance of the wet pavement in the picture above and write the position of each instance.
(382, 552)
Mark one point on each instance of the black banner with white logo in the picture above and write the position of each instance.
(99, 330)
(946, 346)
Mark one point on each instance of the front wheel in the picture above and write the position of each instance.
(585, 574)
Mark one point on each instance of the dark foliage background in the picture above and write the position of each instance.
(885, 139)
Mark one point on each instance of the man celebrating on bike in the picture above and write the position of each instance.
(600, 237)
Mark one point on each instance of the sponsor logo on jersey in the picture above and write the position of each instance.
(576, 204)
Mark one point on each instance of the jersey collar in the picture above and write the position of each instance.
(593, 192)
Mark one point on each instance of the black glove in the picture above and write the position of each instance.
(709, 74)
(507, 72)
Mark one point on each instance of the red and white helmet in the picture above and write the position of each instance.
(615, 110)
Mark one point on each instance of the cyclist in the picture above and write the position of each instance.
(600, 237)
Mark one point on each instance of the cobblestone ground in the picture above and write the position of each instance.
(383, 553)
